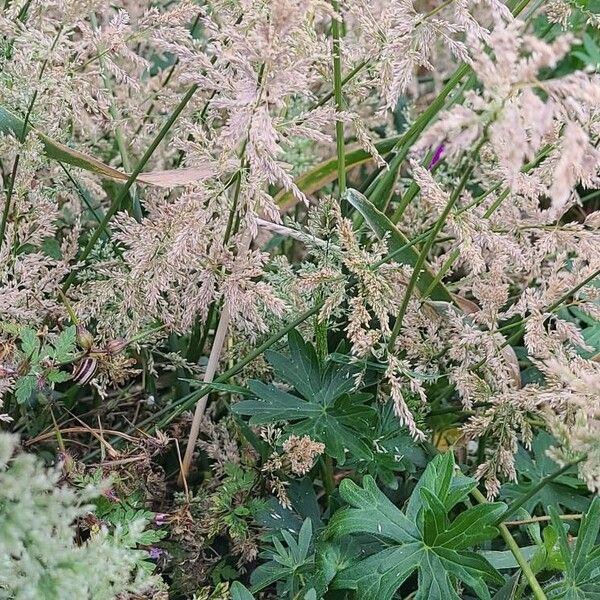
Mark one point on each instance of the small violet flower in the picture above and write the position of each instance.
(160, 519)
(437, 156)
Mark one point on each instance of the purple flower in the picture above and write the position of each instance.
(437, 156)
(111, 495)
(160, 519)
(155, 553)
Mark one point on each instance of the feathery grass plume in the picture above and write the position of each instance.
(411, 184)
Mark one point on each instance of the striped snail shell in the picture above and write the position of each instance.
(85, 370)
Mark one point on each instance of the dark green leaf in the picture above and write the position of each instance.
(565, 491)
(24, 387)
(239, 592)
(65, 344)
(326, 411)
(275, 405)
(30, 344)
(51, 248)
(380, 575)
(472, 526)
(58, 376)
(430, 545)
(581, 578)
(372, 512)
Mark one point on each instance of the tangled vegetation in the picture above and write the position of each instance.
(299, 299)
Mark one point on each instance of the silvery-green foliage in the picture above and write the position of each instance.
(40, 555)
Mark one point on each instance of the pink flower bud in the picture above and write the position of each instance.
(84, 338)
(115, 346)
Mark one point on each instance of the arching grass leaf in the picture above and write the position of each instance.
(12, 124)
(326, 172)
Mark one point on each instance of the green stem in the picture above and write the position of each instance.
(351, 75)
(21, 138)
(516, 551)
(339, 99)
(411, 192)
(136, 208)
(380, 186)
(427, 247)
(517, 504)
(117, 202)
(438, 9)
(438, 278)
(83, 194)
(326, 464)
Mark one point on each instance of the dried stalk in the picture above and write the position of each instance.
(209, 375)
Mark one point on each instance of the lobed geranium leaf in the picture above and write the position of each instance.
(324, 408)
(240, 592)
(380, 575)
(274, 405)
(581, 579)
(425, 541)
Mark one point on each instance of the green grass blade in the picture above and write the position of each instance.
(14, 125)
(398, 244)
(326, 172)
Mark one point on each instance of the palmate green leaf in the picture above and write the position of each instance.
(288, 563)
(275, 405)
(429, 544)
(394, 449)
(581, 579)
(325, 409)
(439, 478)
(373, 513)
(240, 592)
(566, 491)
(383, 227)
(302, 370)
(331, 558)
